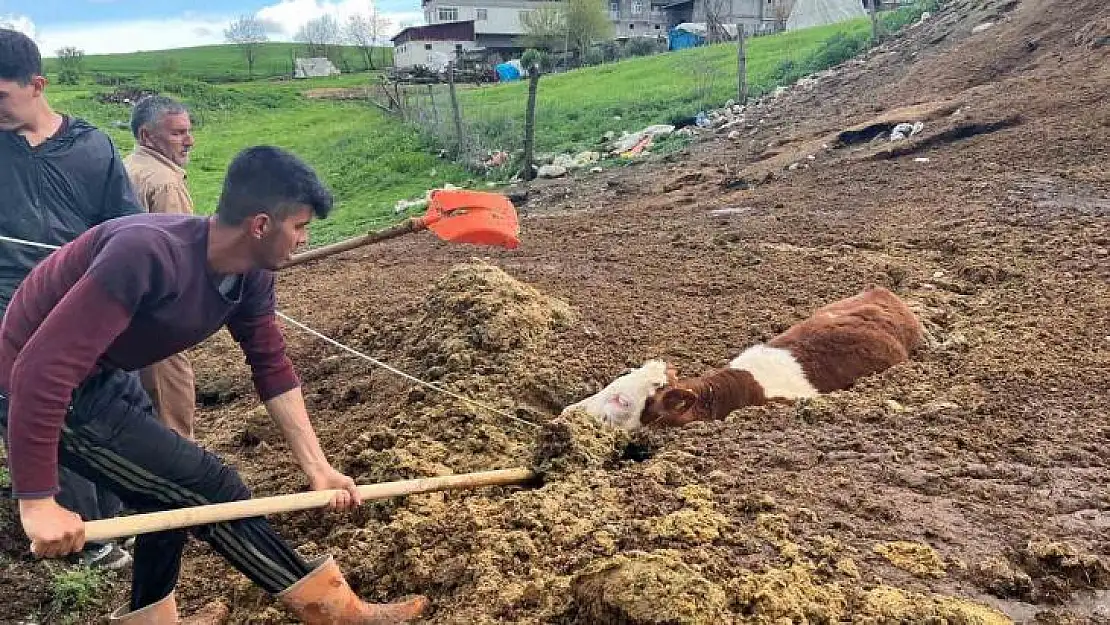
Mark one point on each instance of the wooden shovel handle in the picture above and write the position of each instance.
(412, 224)
(120, 527)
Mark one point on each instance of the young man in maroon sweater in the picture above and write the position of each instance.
(129, 293)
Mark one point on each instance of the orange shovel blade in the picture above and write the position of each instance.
(475, 217)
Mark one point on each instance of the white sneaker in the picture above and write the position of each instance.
(110, 556)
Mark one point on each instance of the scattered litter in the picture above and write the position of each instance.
(794, 166)
(577, 161)
(811, 157)
(497, 159)
(596, 170)
(901, 131)
(921, 159)
(552, 171)
(419, 203)
(629, 141)
(981, 27)
(729, 210)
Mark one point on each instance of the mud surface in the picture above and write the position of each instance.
(970, 485)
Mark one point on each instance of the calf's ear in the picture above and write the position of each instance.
(676, 401)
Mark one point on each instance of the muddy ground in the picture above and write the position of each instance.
(970, 485)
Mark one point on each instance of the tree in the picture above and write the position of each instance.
(320, 35)
(364, 31)
(586, 21)
(545, 28)
(70, 61)
(248, 32)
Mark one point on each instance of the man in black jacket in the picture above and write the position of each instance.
(59, 176)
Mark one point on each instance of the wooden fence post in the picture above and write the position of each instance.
(530, 122)
(455, 108)
(873, 7)
(741, 66)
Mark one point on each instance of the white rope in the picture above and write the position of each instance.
(345, 348)
(28, 243)
(383, 365)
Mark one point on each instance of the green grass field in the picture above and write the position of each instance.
(575, 108)
(371, 160)
(217, 63)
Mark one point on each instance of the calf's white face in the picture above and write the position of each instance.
(622, 402)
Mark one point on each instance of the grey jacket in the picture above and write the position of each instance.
(53, 192)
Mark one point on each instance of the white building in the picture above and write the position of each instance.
(432, 46)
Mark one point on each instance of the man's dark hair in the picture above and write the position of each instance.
(20, 60)
(269, 180)
(151, 109)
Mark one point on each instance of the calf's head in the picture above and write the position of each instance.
(622, 402)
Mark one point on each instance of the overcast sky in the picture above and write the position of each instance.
(104, 26)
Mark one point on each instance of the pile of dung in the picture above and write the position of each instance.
(623, 529)
(791, 594)
(646, 589)
(884, 604)
(919, 559)
(478, 319)
(486, 336)
(1058, 569)
(575, 441)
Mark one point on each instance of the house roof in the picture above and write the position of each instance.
(448, 31)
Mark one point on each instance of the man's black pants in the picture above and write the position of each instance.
(112, 438)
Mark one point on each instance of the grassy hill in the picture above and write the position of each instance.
(217, 64)
(574, 109)
(371, 159)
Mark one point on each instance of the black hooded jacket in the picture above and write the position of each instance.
(53, 192)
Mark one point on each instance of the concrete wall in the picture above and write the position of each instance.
(431, 54)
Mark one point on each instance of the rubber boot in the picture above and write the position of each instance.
(164, 612)
(323, 597)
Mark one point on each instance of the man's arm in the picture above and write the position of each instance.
(58, 356)
(279, 389)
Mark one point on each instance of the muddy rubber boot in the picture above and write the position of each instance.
(323, 597)
(164, 612)
(161, 612)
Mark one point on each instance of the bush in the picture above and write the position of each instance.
(642, 46)
(893, 21)
(593, 57)
(836, 50)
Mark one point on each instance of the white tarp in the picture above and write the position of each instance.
(808, 13)
(313, 68)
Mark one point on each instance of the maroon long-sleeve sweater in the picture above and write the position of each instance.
(125, 294)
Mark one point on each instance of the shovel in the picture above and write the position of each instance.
(120, 527)
(454, 215)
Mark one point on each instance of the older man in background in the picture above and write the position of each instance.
(163, 135)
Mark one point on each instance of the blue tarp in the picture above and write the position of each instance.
(681, 39)
(507, 72)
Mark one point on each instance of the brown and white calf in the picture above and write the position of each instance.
(837, 345)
